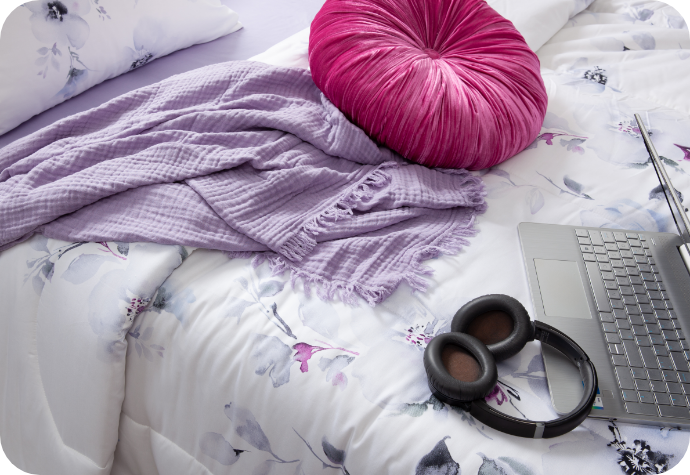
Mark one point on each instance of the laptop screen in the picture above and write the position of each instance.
(678, 211)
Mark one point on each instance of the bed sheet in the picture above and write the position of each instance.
(230, 370)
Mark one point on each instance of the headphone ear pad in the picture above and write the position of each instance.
(505, 326)
(472, 359)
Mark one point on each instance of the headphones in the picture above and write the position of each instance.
(461, 365)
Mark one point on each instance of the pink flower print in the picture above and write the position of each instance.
(416, 337)
(686, 151)
(305, 351)
(497, 395)
(136, 306)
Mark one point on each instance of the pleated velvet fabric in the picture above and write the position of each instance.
(445, 83)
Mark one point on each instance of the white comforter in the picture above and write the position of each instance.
(227, 369)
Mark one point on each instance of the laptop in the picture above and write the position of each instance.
(624, 297)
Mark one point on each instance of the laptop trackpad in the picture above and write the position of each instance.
(561, 289)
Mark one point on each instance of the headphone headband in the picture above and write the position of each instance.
(546, 429)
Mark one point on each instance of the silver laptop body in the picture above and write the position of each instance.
(624, 297)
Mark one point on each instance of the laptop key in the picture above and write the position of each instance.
(674, 388)
(605, 317)
(653, 329)
(639, 330)
(673, 411)
(648, 357)
(643, 385)
(639, 373)
(662, 314)
(641, 259)
(626, 335)
(609, 327)
(596, 238)
(669, 376)
(648, 318)
(612, 338)
(623, 324)
(666, 325)
(658, 386)
(613, 294)
(617, 304)
(633, 354)
(662, 398)
(658, 305)
(674, 346)
(620, 237)
(610, 284)
(632, 309)
(643, 340)
(684, 377)
(669, 334)
(637, 251)
(665, 363)
(617, 263)
(619, 272)
(626, 254)
(607, 236)
(636, 280)
(589, 257)
(634, 243)
(629, 262)
(584, 240)
(680, 362)
(632, 235)
(632, 271)
(642, 298)
(616, 349)
(636, 319)
(624, 246)
(646, 397)
(626, 290)
(656, 339)
(678, 400)
(605, 267)
(629, 396)
(629, 299)
(581, 233)
(646, 308)
(599, 249)
(625, 380)
(602, 258)
(642, 409)
(660, 351)
(655, 374)
(619, 360)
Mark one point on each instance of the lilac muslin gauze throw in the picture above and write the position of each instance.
(244, 158)
(445, 83)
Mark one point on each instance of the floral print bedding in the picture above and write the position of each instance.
(230, 369)
(52, 50)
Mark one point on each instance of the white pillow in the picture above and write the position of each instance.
(51, 50)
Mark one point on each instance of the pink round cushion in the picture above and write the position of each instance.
(446, 83)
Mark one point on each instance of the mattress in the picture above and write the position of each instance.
(230, 369)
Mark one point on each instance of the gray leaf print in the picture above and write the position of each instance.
(270, 288)
(334, 455)
(644, 39)
(535, 199)
(122, 248)
(490, 467)
(268, 352)
(238, 307)
(657, 193)
(572, 185)
(246, 427)
(84, 267)
(215, 446)
(438, 462)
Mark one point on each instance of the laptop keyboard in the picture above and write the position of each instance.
(645, 341)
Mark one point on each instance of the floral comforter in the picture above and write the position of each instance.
(227, 369)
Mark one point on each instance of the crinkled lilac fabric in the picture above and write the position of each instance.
(445, 83)
(240, 157)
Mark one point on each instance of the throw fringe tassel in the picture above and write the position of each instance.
(452, 241)
(302, 243)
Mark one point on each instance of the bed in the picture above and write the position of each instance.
(228, 368)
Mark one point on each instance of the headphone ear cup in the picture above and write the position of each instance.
(499, 321)
(461, 352)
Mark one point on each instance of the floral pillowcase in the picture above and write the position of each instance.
(51, 50)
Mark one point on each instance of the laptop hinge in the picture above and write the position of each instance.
(685, 254)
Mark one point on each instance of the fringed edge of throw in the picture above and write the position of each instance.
(302, 243)
(452, 242)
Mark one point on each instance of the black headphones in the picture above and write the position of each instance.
(461, 365)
